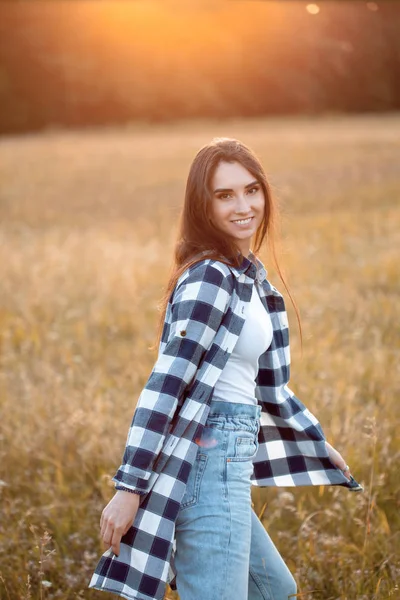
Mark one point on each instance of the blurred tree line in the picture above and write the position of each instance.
(88, 63)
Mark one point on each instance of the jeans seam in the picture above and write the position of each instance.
(264, 592)
(229, 539)
(200, 466)
(225, 471)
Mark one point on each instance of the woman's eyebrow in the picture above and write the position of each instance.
(230, 190)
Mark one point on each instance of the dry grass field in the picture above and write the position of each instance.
(87, 229)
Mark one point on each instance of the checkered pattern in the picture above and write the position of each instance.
(204, 318)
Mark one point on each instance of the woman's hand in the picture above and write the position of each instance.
(117, 517)
(338, 460)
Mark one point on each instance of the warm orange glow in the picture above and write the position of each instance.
(372, 6)
(145, 57)
(313, 9)
(171, 29)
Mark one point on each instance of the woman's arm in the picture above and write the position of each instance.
(338, 460)
(199, 304)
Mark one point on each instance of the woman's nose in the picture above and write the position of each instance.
(242, 205)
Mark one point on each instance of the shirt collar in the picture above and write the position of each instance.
(252, 266)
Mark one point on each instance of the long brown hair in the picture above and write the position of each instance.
(198, 238)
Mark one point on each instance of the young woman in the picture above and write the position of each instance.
(216, 415)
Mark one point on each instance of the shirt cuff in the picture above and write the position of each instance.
(125, 489)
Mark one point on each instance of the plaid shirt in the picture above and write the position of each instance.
(204, 317)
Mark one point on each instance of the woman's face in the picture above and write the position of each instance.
(237, 207)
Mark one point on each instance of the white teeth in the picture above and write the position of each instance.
(243, 221)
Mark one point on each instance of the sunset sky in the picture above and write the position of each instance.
(97, 61)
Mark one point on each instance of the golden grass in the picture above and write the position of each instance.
(87, 229)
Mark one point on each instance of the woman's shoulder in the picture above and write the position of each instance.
(205, 280)
(207, 270)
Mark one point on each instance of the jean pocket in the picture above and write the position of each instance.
(192, 490)
(245, 448)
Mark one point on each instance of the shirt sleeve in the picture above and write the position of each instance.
(196, 309)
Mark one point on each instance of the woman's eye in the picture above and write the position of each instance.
(251, 191)
(254, 190)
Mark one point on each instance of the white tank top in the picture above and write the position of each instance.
(237, 380)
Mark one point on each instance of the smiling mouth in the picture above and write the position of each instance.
(243, 221)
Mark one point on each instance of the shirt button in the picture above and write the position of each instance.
(183, 332)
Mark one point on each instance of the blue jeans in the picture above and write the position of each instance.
(222, 549)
